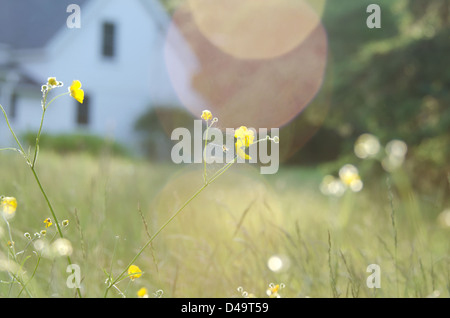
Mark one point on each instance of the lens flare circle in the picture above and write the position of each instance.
(248, 29)
(257, 92)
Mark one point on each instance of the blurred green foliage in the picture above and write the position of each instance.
(155, 127)
(391, 82)
(76, 143)
(392, 85)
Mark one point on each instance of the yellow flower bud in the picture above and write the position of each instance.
(206, 115)
(76, 91)
(142, 293)
(8, 205)
(48, 222)
(134, 272)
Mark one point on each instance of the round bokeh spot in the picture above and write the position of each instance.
(248, 29)
(265, 91)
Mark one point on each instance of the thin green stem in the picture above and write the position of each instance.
(112, 260)
(126, 289)
(222, 170)
(38, 136)
(10, 148)
(10, 238)
(208, 182)
(44, 109)
(119, 291)
(53, 215)
(14, 135)
(48, 202)
(21, 283)
(13, 251)
(32, 164)
(32, 275)
(394, 228)
(155, 235)
(54, 98)
(204, 154)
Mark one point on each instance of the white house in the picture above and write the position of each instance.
(116, 53)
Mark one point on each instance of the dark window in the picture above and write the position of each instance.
(13, 106)
(83, 111)
(108, 39)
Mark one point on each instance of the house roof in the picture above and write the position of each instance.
(30, 24)
(33, 24)
(10, 72)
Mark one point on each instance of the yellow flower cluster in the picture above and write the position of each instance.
(8, 206)
(48, 222)
(273, 290)
(244, 138)
(206, 115)
(74, 90)
(52, 82)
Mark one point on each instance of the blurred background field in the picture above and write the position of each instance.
(301, 226)
(226, 237)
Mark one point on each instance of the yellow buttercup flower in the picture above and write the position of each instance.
(245, 135)
(240, 151)
(134, 272)
(48, 222)
(8, 205)
(206, 115)
(76, 91)
(142, 293)
(245, 138)
(273, 290)
(52, 82)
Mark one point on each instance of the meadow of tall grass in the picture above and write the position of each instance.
(225, 238)
(105, 226)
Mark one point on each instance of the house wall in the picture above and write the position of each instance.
(120, 88)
